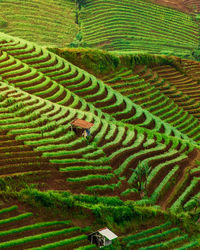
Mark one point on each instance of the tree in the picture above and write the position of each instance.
(142, 171)
(80, 3)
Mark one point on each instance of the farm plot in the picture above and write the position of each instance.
(137, 26)
(35, 111)
(183, 83)
(141, 88)
(22, 230)
(49, 23)
(191, 68)
(183, 100)
(103, 165)
(34, 123)
(59, 81)
(163, 236)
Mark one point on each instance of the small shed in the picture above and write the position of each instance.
(102, 237)
(81, 127)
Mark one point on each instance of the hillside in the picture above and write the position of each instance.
(133, 26)
(41, 93)
(134, 164)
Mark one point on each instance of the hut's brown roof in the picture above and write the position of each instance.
(81, 123)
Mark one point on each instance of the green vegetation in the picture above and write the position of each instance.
(32, 21)
(137, 170)
(133, 26)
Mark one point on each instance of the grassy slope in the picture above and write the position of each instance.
(45, 22)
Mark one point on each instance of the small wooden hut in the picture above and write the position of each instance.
(81, 127)
(102, 237)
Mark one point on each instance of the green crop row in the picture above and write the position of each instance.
(126, 111)
(108, 98)
(31, 82)
(112, 130)
(189, 245)
(87, 247)
(8, 209)
(78, 161)
(166, 244)
(42, 236)
(129, 136)
(68, 152)
(178, 117)
(148, 231)
(5, 63)
(63, 243)
(8, 75)
(160, 166)
(192, 203)
(149, 143)
(153, 237)
(159, 147)
(92, 177)
(69, 82)
(116, 140)
(104, 187)
(179, 202)
(166, 102)
(158, 191)
(125, 84)
(61, 74)
(87, 89)
(128, 191)
(22, 78)
(16, 218)
(96, 153)
(138, 141)
(33, 226)
(85, 168)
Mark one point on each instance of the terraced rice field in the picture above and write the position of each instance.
(151, 90)
(22, 230)
(163, 236)
(139, 171)
(37, 105)
(133, 26)
(47, 22)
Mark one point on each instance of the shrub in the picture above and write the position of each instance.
(46, 199)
